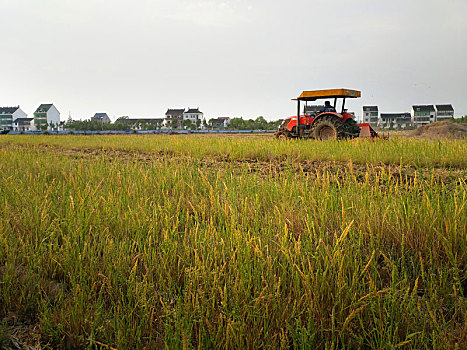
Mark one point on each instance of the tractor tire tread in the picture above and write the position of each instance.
(330, 119)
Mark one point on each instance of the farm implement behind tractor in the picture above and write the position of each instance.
(326, 123)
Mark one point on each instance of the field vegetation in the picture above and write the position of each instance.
(405, 151)
(232, 242)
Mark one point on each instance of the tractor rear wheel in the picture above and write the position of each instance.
(328, 127)
(351, 129)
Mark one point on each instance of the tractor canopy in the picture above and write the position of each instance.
(330, 93)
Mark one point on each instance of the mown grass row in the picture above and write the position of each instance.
(420, 153)
(178, 255)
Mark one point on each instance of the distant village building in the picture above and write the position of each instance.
(13, 118)
(313, 109)
(423, 114)
(142, 123)
(173, 118)
(395, 120)
(219, 123)
(193, 115)
(23, 124)
(101, 117)
(444, 112)
(370, 114)
(47, 117)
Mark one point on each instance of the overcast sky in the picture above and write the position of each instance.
(229, 57)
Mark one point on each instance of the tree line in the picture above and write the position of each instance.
(253, 124)
(122, 123)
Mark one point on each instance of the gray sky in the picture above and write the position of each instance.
(229, 57)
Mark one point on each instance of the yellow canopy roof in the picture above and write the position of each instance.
(330, 93)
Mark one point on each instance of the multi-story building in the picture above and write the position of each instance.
(423, 114)
(193, 115)
(173, 118)
(46, 117)
(444, 112)
(395, 120)
(370, 114)
(8, 116)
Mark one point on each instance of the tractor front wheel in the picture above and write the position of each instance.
(282, 135)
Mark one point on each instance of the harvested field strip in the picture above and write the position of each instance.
(273, 167)
(404, 151)
(176, 253)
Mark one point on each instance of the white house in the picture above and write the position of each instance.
(395, 120)
(23, 124)
(193, 115)
(220, 122)
(47, 117)
(370, 114)
(423, 114)
(8, 116)
(444, 112)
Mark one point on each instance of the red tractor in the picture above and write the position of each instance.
(326, 123)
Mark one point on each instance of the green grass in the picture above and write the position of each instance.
(171, 252)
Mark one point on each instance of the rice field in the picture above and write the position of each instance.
(208, 242)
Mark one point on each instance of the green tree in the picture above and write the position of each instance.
(258, 124)
(43, 126)
(122, 119)
(237, 124)
(250, 124)
(261, 123)
(174, 123)
(272, 125)
(187, 124)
